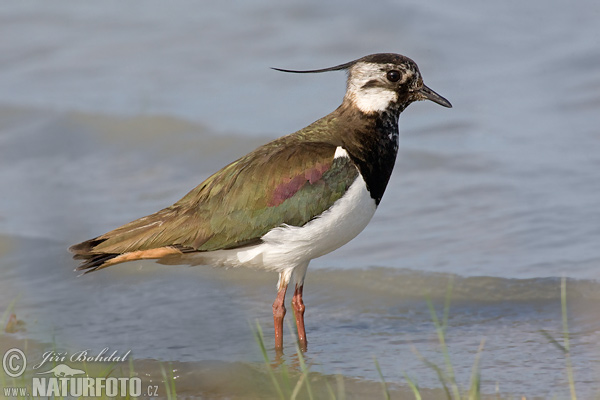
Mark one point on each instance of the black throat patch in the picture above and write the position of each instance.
(373, 148)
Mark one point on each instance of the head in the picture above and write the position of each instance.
(384, 81)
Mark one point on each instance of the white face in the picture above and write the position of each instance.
(370, 87)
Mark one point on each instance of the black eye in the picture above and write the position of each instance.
(393, 75)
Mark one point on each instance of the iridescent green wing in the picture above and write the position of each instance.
(284, 182)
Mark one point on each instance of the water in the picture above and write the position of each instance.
(110, 111)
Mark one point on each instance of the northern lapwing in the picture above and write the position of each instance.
(291, 200)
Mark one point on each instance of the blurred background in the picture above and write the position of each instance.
(112, 110)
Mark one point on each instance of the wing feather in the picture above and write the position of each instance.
(279, 183)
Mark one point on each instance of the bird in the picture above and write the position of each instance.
(289, 201)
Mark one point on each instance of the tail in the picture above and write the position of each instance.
(150, 237)
(91, 261)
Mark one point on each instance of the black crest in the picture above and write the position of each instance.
(379, 58)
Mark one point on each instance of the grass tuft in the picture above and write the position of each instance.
(447, 376)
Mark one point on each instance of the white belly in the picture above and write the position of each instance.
(287, 247)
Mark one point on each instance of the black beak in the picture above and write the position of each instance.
(428, 94)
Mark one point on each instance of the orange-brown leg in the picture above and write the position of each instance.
(299, 314)
(278, 314)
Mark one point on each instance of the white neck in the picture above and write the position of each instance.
(373, 99)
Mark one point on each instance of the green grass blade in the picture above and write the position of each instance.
(330, 390)
(173, 388)
(414, 387)
(169, 381)
(447, 303)
(341, 388)
(303, 366)
(285, 378)
(441, 376)
(440, 329)
(297, 387)
(258, 335)
(553, 341)
(567, 346)
(131, 375)
(386, 391)
(475, 386)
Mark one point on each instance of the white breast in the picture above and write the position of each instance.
(291, 245)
